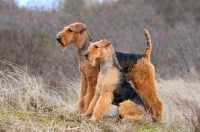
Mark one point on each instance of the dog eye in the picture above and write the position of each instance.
(69, 30)
(96, 47)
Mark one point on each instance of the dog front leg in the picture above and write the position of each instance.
(102, 105)
(81, 95)
(92, 104)
(90, 92)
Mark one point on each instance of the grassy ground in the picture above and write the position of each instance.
(27, 106)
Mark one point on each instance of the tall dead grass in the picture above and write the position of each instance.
(21, 90)
(26, 100)
(181, 101)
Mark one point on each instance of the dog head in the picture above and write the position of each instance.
(71, 34)
(98, 50)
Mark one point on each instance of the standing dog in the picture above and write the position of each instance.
(76, 33)
(112, 85)
(137, 67)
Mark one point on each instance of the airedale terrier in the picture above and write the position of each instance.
(112, 85)
(137, 67)
(76, 33)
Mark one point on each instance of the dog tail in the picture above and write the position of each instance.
(149, 45)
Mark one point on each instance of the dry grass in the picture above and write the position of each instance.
(181, 103)
(28, 105)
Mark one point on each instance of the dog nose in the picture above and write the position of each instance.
(57, 38)
(86, 55)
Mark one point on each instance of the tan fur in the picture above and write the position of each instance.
(148, 90)
(149, 45)
(142, 74)
(130, 111)
(106, 84)
(103, 88)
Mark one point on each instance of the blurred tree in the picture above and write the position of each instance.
(71, 6)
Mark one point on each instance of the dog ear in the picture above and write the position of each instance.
(105, 43)
(78, 27)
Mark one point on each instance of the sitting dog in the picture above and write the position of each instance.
(112, 86)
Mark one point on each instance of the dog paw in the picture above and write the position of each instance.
(93, 119)
(84, 114)
(78, 111)
(125, 120)
(128, 119)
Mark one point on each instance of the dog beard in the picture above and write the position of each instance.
(93, 62)
(61, 46)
